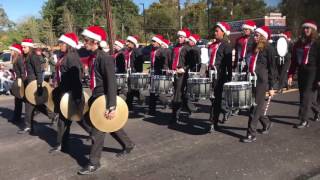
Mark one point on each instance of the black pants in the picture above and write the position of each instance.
(216, 108)
(283, 73)
(153, 100)
(29, 113)
(257, 110)
(17, 109)
(98, 140)
(179, 97)
(130, 95)
(307, 89)
(316, 103)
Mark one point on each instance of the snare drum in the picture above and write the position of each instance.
(139, 81)
(238, 95)
(161, 84)
(199, 88)
(239, 76)
(121, 80)
(193, 74)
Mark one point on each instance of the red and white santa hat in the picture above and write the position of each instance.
(185, 32)
(311, 24)
(249, 24)
(27, 42)
(96, 33)
(225, 27)
(264, 31)
(120, 43)
(194, 37)
(134, 39)
(71, 39)
(287, 35)
(166, 43)
(16, 47)
(157, 38)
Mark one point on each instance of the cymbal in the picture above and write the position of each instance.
(50, 102)
(97, 111)
(70, 110)
(16, 90)
(31, 93)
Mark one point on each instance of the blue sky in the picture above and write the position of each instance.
(19, 9)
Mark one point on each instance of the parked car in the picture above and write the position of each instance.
(5, 58)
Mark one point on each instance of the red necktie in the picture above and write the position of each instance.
(306, 51)
(92, 74)
(253, 62)
(214, 49)
(176, 51)
(153, 56)
(244, 47)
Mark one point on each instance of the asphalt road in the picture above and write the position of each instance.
(184, 151)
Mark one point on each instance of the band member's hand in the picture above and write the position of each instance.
(271, 92)
(290, 81)
(19, 81)
(180, 70)
(110, 114)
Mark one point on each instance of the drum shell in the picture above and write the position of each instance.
(238, 96)
(161, 84)
(199, 88)
(122, 81)
(239, 76)
(138, 81)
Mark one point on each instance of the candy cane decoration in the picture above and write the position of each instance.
(267, 106)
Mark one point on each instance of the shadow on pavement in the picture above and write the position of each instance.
(278, 119)
(295, 103)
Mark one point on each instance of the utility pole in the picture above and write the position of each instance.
(109, 24)
(179, 14)
(144, 23)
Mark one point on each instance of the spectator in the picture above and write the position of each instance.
(5, 80)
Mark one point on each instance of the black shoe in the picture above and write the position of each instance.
(303, 124)
(126, 151)
(249, 139)
(24, 131)
(89, 169)
(316, 117)
(54, 119)
(265, 130)
(152, 112)
(55, 149)
(280, 91)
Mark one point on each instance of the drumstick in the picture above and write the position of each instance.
(267, 106)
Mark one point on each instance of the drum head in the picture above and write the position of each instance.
(16, 90)
(282, 46)
(70, 110)
(98, 119)
(31, 93)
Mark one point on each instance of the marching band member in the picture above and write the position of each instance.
(33, 72)
(262, 65)
(194, 52)
(68, 78)
(243, 46)
(103, 82)
(284, 64)
(134, 64)
(179, 65)
(19, 72)
(119, 56)
(305, 58)
(159, 62)
(220, 60)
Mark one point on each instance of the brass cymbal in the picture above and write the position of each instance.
(17, 88)
(99, 121)
(31, 93)
(50, 102)
(70, 110)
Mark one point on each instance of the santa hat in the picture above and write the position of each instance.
(310, 24)
(120, 43)
(185, 32)
(166, 43)
(134, 40)
(287, 35)
(225, 27)
(71, 39)
(157, 38)
(27, 42)
(96, 33)
(264, 31)
(249, 24)
(195, 38)
(16, 47)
